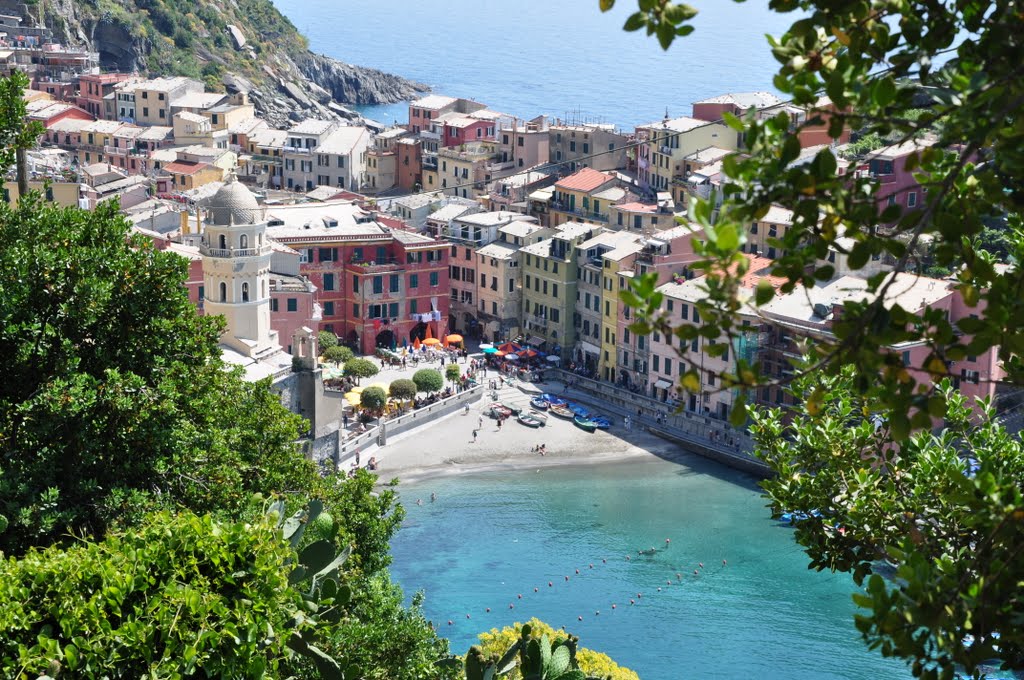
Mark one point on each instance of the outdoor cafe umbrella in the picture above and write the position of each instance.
(431, 341)
(352, 398)
(498, 353)
(358, 389)
(509, 347)
(416, 343)
(486, 346)
(512, 357)
(527, 354)
(553, 359)
(491, 350)
(454, 337)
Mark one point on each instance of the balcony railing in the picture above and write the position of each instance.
(234, 252)
(585, 214)
(427, 134)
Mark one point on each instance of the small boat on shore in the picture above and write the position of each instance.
(584, 424)
(499, 411)
(552, 399)
(539, 415)
(529, 420)
(513, 409)
(578, 409)
(602, 422)
(799, 516)
(539, 403)
(562, 412)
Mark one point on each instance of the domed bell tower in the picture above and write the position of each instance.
(236, 270)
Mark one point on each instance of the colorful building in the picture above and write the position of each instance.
(576, 197)
(550, 280)
(378, 286)
(666, 144)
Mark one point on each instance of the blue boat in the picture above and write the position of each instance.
(539, 404)
(602, 422)
(578, 410)
(552, 399)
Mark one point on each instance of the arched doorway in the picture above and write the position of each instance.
(386, 338)
(352, 340)
(418, 332)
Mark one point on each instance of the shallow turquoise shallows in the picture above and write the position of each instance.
(492, 537)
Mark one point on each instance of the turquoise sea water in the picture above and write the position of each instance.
(531, 57)
(492, 537)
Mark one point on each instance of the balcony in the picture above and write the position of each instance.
(387, 264)
(667, 150)
(498, 167)
(122, 151)
(585, 214)
(233, 252)
(298, 150)
(428, 134)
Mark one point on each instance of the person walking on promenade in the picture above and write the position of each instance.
(627, 423)
(475, 432)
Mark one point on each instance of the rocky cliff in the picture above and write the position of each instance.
(234, 44)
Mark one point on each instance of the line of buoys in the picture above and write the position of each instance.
(614, 606)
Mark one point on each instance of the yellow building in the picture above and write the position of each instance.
(97, 145)
(584, 195)
(62, 193)
(549, 288)
(184, 175)
(616, 270)
(153, 98)
(663, 154)
(464, 170)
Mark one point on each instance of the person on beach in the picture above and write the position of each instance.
(474, 435)
(419, 501)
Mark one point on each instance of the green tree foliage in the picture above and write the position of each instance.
(172, 598)
(383, 638)
(945, 508)
(113, 397)
(366, 519)
(402, 388)
(361, 368)
(452, 372)
(16, 132)
(327, 340)
(894, 70)
(428, 380)
(373, 399)
(338, 354)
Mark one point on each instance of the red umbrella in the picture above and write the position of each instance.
(509, 348)
(527, 354)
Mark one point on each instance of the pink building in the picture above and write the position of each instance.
(896, 184)
(464, 129)
(93, 87)
(377, 285)
(424, 111)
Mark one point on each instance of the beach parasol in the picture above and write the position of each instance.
(416, 343)
(430, 333)
(484, 346)
(491, 350)
(527, 354)
(431, 341)
(454, 337)
(383, 385)
(358, 389)
(509, 347)
(352, 398)
(512, 357)
(498, 353)
(553, 359)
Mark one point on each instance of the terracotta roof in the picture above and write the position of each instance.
(186, 167)
(637, 207)
(586, 179)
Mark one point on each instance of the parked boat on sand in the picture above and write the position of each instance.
(584, 424)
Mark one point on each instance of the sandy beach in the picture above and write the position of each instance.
(446, 447)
